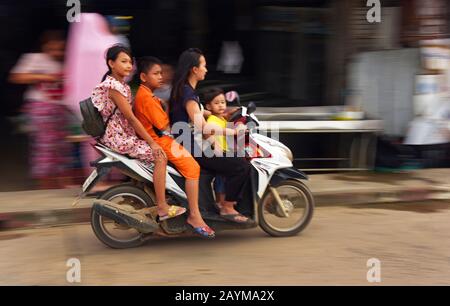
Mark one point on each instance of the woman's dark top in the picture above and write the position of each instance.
(178, 112)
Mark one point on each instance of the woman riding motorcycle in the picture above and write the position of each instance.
(186, 108)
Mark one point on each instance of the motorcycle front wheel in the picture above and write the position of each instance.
(293, 215)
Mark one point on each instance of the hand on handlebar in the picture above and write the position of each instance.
(239, 128)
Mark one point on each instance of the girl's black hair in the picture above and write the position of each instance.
(211, 93)
(188, 60)
(146, 63)
(112, 53)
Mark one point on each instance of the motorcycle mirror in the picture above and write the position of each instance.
(251, 108)
(232, 97)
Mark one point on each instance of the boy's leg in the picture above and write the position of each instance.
(195, 217)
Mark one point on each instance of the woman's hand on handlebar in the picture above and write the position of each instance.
(230, 111)
(234, 114)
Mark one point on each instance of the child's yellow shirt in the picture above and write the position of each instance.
(221, 122)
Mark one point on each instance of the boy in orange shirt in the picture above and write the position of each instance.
(149, 110)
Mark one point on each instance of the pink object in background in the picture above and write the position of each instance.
(85, 65)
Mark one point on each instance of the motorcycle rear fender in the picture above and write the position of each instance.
(102, 167)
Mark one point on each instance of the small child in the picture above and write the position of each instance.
(215, 103)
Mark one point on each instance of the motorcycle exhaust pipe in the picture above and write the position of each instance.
(131, 218)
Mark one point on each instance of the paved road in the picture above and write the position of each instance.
(412, 242)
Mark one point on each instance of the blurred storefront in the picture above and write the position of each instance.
(291, 53)
(406, 81)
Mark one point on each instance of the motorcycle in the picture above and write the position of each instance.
(276, 197)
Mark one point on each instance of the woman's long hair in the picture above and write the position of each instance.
(188, 60)
(112, 54)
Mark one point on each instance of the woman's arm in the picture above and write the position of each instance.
(196, 116)
(126, 110)
(31, 78)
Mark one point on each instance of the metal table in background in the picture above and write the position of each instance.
(362, 152)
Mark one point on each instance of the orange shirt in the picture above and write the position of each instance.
(149, 111)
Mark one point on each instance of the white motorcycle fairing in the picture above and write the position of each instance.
(139, 170)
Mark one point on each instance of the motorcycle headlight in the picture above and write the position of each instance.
(287, 152)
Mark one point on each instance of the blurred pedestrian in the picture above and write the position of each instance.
(43, 72)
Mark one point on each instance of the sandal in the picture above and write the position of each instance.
(233, 218)
(174, 211)
(204, 232)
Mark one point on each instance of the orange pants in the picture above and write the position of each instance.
(180, 157)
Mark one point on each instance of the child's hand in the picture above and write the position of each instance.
(240, 128)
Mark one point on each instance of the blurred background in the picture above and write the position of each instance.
(345, 93)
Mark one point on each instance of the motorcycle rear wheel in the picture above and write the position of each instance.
(115, 235)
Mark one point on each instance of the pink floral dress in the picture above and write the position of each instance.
(120, 136)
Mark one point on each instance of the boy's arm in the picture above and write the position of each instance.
(166, 106)
(155, 114)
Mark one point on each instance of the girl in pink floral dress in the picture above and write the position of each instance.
(124, 133)
(120, 135)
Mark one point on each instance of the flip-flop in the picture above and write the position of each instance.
(204, 232)
(174, 211)
(232, 218)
